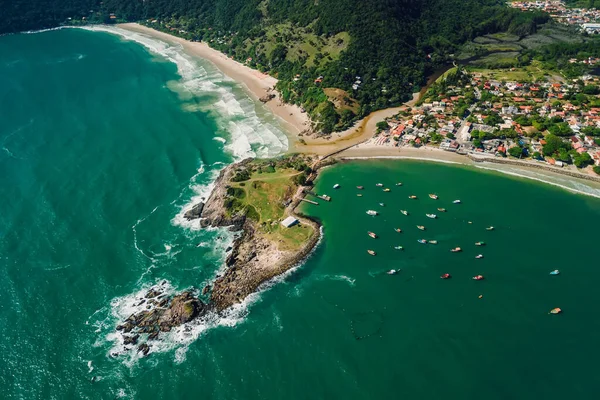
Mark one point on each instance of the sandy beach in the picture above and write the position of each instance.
(255, 82)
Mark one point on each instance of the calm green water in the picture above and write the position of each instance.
(102, 144)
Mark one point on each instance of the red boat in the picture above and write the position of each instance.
(478, 277)
(446, 276)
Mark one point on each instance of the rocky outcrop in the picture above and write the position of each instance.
(267, 97)
(195, 212)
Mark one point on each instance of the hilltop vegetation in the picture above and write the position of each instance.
(377, 51)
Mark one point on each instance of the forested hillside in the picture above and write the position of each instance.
(377, 52)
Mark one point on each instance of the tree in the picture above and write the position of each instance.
(382, 125)
(597, 169)
(582, 160)
(515, 151)
(450, 136)
(537, 155)
(554, 144)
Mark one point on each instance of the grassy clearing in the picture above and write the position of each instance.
(264, 195)
(530, 73)
(342, 99)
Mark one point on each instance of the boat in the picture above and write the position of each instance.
(478, 278)
(371, 252)
(336, 186)
(399, 247)
(456, 250)
(433, 196)
(432, 216)
(404, 212)
(359, 195)
(489, 228)
(393, 271)
(412, 197)
(382, 204)
(324, 197)
(422, 241)
(372, 212)
(446, 276)
(399, 184)
(469, 222)
(456, 202)
(372, 234)
(441, 209)
(555, 272)
(379, 184)
(433, 242)
(360, 187)
(398, 230)
(478, 256)
(555, 311)
(421, 227)
(386, 189)
(479, 243)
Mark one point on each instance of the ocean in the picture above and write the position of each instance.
(106, 139)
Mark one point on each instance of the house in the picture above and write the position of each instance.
(289, 222)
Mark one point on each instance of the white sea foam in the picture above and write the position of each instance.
(341, 278)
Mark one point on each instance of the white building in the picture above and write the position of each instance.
(289, 222)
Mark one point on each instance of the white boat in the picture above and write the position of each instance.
(336, 186)
(456, 202)
(432, 216)
(372, 212)
(404, 212)
(393, 271)
(399, 248)
(433, 196)
(555, 272)
(433, 241)
(399, 184)
(478, 256)
(379, 184)
(382, 204)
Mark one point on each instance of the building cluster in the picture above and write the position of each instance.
(585, 18)
(498, 116)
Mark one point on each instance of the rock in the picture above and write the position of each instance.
(152, 293)
(131, 339)
(195, 212)
(153, 336)
(266, 98)
(206, 289)
(183, 308)
(144, 349)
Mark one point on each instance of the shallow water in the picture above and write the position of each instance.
(102, 147)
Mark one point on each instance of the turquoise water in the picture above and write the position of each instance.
(103, 144)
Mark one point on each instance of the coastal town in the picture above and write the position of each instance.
(587, 19)
(552, 122)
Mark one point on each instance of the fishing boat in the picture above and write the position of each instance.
(433, 242)
(555, 272)
(555, 311)
(478, 256)
(489, 228)
(456, 202)
(456, 250)
(421, 227)
(432, 216)
(399, 184)
(446, 276)
(372, 212)
(386, 189)
(478, 278)
(433, 196)
(393, 271)
(441, 209)
(404, 212)
(336, 186)
(382, 204)
(479, 243)
(398, 230)
(399, 247)
(379, 184)
(412, 197)
(372, 234)
(422, 241)
(360, 187)
(371, 252)
(359, 195)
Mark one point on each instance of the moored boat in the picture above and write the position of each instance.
(360, 187)
(432, 216)
(393, 271)
(386, 189)
(422, 241)
(359, 195)
(412, 197)
(379, 184)
(382, 204)
(372, 212)
(456, 202)
(398, 230)
(404, 212)
(371, 252)
(479, 243)
(478, 278)
(399, 184)
(489, 228)
(421, 227)
(478, 256)
(456, 250)
(555, 311)
(433, 242)
(336, 186)
(555, 272)
(433, 196)
(446, 276)
(372, 234)
(399, 247)
(441, 209)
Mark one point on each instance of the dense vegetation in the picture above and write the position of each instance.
(377, 51)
